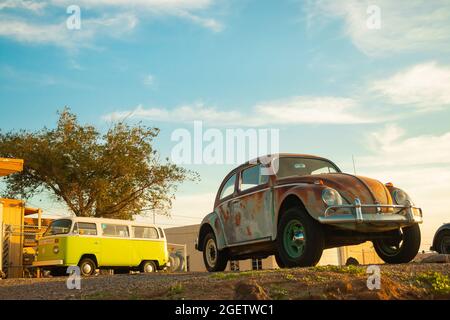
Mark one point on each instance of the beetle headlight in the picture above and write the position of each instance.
(55, 249)
(401, 197)
(331, 197)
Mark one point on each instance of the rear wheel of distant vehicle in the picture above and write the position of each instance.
(443, 242)
(300, 239)
(401, 247)
(148, 267)
(214, 259)
(87, 267)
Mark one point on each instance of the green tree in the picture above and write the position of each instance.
(115, 174)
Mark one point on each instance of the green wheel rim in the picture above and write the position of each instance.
(294, 239)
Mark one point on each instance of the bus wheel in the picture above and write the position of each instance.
(148, 267)
(87, 267)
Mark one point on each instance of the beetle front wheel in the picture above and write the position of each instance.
(300, 239)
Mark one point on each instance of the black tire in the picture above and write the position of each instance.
(215, 260)
(148, 267)
(279, 262)
(443, 242)
(312, 244)
(87, 267)
(121, 270)
(58, 272)
(402, 248)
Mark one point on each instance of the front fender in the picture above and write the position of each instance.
(310, 196)
(211, 222)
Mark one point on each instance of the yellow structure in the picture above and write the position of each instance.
(8, 209)
(9, 166)
(364, 253)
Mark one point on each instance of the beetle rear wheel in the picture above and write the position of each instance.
(300, 239)
(402, 247)
(214, 259)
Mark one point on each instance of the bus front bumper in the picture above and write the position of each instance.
(48, 263)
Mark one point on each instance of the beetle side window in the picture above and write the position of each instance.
(228, 188)
(251, 177)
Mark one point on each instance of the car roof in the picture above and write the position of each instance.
(279, 155)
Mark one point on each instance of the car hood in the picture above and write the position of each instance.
(369, 191)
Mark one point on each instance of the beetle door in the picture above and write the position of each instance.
(252, 208)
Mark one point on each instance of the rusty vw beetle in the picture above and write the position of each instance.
(294, 206)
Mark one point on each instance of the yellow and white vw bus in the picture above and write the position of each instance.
(93, 243)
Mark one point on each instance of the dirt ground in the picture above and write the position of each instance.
(407, 281)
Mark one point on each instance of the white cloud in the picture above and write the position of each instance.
(183, 113)
(332, 110)
(161, 5)
(204, 22)
(419, 25)
(57, 34)
(427, 86)
(107, 17)
(390, 147)
(178, 8)
(23, 4)
(297, 110)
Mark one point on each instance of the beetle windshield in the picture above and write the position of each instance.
(295, 166)
(61, 226)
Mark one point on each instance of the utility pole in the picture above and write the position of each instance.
(354, 166)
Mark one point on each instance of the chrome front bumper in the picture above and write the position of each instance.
(406, 214)
(47, 263)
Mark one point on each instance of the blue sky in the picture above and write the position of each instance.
(313, 69)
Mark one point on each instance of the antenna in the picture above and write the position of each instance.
(354, 166)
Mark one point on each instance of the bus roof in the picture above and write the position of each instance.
(111, 221)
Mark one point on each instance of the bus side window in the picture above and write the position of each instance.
(88, 229)
(145, 232)
(114, 230)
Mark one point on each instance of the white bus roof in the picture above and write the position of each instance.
(111, 221)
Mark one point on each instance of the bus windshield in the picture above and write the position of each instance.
(61, 226)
